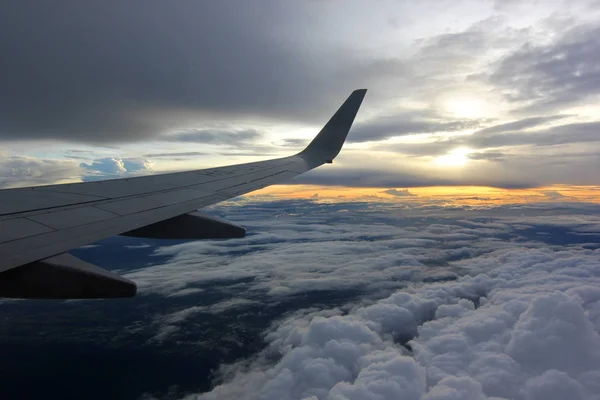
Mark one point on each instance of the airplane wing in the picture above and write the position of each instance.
(39, 225)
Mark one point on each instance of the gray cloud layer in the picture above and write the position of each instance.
(506, 136)
(218, 137)
(554, 75)
(104, 72)
(365, 177)
(521, 124)
(405, 124)
(29, 171)
(112, 71)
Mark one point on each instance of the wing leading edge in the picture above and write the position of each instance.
(39, 225)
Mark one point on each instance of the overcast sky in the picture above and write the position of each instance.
(501, 94)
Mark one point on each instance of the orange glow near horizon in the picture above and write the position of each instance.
(459, 195)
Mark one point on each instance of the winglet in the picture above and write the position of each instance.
(328, 143)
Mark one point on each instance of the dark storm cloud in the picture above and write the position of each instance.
(550, 76)
(111, 71)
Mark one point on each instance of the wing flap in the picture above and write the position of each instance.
(194, 225)
(63, 277)
(177, 196)
(130, 206)
(18, 200)
(18, 228)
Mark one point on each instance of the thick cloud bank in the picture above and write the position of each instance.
(527, 328)
(521, 323)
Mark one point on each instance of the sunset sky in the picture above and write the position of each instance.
(469, 101)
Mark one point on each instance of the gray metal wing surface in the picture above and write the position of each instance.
(39, 225)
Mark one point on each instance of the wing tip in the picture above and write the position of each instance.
(328, 143)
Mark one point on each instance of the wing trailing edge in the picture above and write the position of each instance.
(63, 277)
(191, 226)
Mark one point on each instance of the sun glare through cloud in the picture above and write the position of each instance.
(466, 106)
(455, 158)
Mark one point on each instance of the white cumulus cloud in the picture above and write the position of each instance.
(522, 324)
(441, 304)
